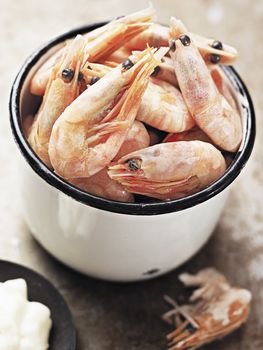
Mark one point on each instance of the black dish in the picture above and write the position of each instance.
(151, 208)
(63, 333)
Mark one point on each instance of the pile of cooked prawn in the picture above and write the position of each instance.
(134, 107)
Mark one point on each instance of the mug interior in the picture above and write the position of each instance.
(23, 103)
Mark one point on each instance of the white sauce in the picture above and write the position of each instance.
(24, 325)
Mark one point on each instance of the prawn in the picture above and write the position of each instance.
(169, 170)
(62, 89)
(216, 310)
(212, 51)
(100, 42)
(90, 132)
(163, 108)
(208, 107)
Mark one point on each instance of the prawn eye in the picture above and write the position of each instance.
(134, 164)
(185, 40)
(173, 45)
(67, 74)
(80, 77)
(217, 45)
(94, 80)
(156, 71)
(214, 58)
(127, 64)
(191, 328)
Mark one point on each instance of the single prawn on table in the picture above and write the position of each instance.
(216, 309)
(90, 132)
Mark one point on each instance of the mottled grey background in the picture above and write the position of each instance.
(113, 316)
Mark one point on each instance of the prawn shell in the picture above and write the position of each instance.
(170, 170)
(215, 310)
(163, 108)
(210, 110)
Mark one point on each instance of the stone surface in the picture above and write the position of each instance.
(127, 316)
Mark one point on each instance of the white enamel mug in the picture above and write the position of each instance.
(114, 240)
